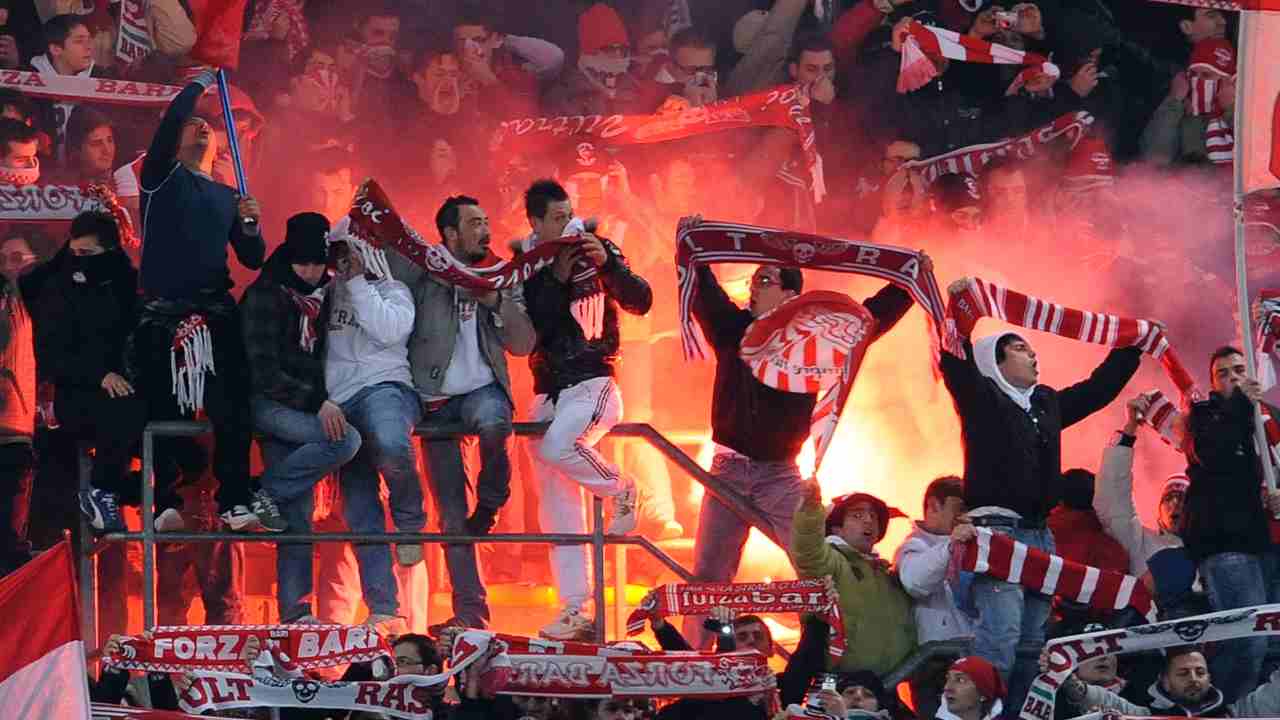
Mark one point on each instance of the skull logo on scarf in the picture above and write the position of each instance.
(305, 690)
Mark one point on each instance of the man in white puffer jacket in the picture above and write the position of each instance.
(922, 561)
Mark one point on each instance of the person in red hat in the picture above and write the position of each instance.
(603, 83)
(974, 691)
(841, 544)
(1193, 124)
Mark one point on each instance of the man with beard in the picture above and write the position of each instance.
(458, 359)
(1184, 687)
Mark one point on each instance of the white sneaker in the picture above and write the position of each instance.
(671, 530)
(170, 521)
(240, 519)
(570, 624)
(625, 505)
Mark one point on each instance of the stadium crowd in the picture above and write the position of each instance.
(314, 352)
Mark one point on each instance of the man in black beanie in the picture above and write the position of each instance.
(284, 314)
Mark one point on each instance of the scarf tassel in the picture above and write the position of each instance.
(916, 69)
(589, 312)
(196, 343)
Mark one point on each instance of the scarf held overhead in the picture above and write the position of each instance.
(811, 344)
(88, 89)
(1000, 556)
(1072, 126)
(720, 242)
(923, 43)
(815, 595)
(784, 106)
(1064, 655)
(983, 299)
(219, 647)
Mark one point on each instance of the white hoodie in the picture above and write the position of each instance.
(922, 561)
(368, 343)
(44, 66)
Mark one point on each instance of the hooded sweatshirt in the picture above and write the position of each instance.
(1013, 438)
(61, 110)
(368, 341)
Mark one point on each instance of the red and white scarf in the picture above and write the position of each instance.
(720, 242)
(133, 37)
(374, 221)
(815, 595)
(264, 16)
(583, 670)
(1072, 127)
(308, 312)
(51, 203)
(1064, 655)
(189, 359)
(999, 556)
(784, 106)
(90, 89)
(219, 648)
(925, 41)
(983, 299)
(1220, 141)
(1267, 337)
(812, 344)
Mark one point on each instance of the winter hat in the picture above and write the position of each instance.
(1077, 489)
(984, 676)
(984, 354)
(861, 678)
(1089, 165)
(305, 239)
(841, 505)
(1173, 572)
(747, 28)
(599, 27)
(954, 191)
(1176, 483)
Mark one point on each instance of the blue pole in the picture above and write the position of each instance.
(224, 92)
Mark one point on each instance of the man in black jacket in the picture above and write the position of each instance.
(84, 303)
(1012, 432)
(758, 430)
(575, 314)
(189, 219)
(1225, 527)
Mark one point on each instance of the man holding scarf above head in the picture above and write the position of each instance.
(187, 354)
(1012, 431)
(758, 430)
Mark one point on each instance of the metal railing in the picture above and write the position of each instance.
(597, 539)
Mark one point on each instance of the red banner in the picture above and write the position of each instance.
(219, 25)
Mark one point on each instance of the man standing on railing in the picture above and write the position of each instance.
(187, 355)
(458, 358)
(574, 306)
(367, 374)
(758, 430)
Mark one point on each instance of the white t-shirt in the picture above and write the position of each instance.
(468, 370)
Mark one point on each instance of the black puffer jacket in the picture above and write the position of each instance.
(1223, 511)
(563, 356)
(1013, 459)
(281, 369)
(84, 309)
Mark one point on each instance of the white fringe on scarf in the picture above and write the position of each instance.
(196, 343)
(375, 259)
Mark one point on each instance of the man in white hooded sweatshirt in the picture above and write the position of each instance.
(1012, 431)
(68, 51)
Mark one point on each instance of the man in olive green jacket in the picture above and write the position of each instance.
(878, 625)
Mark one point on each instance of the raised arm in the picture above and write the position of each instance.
(164, 144)
(765, 59)
(1113, 491)
(542, 58)
(712, 308)
(810, 553)
(1101, 387)
(517, 332)
(887, 307)
(384, 310)
(630, 290)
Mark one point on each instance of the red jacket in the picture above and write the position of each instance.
(1078, 536)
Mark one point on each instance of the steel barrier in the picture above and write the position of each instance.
(597, 538)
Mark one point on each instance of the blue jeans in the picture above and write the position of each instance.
(297, 455)
(385, 415)
(1009, 615)
(1235, 580)
(487, 413)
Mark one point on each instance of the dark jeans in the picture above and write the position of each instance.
(226, 397)
(113, 426)
(1235, 580)
(216, 568)
(487, 413)
(16, 463)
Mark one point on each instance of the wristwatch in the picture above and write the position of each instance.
(1123, 439)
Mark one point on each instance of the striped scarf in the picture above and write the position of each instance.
(999, 556)
(985, 299)
(308, 312)
(923, 43)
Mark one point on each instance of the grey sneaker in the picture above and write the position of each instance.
(625, 515)
(240, 519)
(170, 520)
(102, 509)
(264, 506)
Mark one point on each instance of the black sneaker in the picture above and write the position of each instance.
(264, 506)
(482, 521)
(103, 510)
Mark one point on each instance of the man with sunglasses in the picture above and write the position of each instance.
(758, 430)
(690, 72)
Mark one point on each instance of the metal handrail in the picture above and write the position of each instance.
(727, 495)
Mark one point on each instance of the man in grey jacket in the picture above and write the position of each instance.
(922, 561)
(457, 354)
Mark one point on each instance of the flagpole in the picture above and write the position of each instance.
(1242, 279)
(233, 140)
